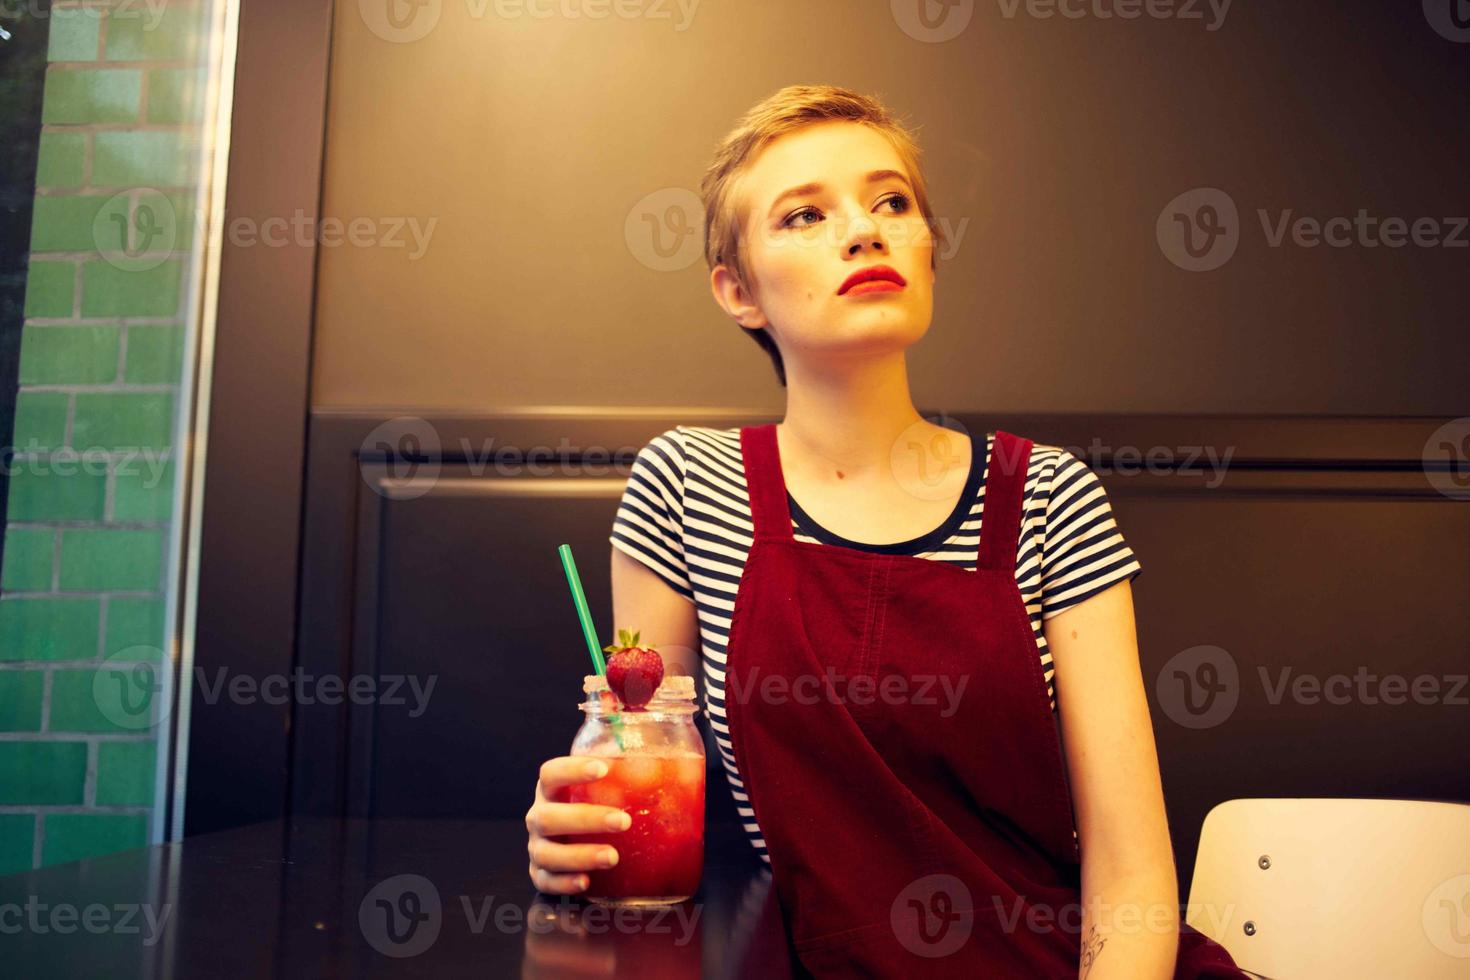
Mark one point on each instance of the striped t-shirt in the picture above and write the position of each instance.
(685, 513)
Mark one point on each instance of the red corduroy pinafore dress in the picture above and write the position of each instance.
(891, 726)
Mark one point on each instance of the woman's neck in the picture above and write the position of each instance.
(844, 420)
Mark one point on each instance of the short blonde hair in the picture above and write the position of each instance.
(788, 110)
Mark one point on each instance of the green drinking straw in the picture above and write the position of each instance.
(589, 632)
(579, 598)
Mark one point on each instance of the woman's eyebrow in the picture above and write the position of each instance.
(875, 177)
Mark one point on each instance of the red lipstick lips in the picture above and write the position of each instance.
(881, 277)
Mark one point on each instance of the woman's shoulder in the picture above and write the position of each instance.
(708, 431)
(1048, 465)
(698, 441)
(1042, 453)
(1046, 453)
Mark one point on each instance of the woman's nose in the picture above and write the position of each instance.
(863, 231)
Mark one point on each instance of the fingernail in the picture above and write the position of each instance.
(608, 858)
(619, 821)
(597, 770)
(581, 881)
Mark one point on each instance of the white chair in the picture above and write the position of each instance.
(1298, 889)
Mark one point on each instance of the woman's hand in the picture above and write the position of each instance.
(556, 868)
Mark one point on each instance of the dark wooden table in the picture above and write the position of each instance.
(357, 898)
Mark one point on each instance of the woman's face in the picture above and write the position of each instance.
(853, 209)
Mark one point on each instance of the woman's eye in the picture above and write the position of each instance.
(900, 201)
(791, 218)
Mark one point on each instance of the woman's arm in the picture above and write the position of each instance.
(1130, 896)
(644, 602)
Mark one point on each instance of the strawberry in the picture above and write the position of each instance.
(633, 672)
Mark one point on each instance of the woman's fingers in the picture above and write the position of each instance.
(553, 856)
(567, 770)
(548, 819)
(557, 884)
(560, 868)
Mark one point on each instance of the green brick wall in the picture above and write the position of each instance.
(83, 582)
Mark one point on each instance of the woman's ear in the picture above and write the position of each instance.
(734, 299)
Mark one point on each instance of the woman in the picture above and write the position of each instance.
(923, 808)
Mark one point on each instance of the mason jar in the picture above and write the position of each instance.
(655, 773)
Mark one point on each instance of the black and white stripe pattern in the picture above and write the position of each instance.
(685, 513)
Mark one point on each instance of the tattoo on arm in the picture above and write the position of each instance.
(1091, 949)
